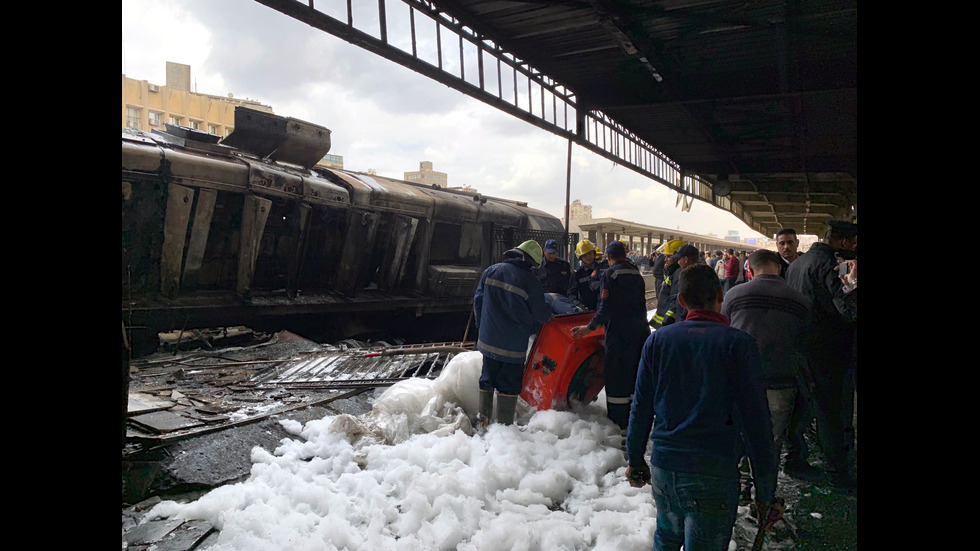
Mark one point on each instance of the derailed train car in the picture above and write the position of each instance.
(248, 231)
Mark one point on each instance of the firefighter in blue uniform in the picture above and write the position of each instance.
(584, 284)
(508, 307)
(664, 294)
(622, 311)
(685, 257)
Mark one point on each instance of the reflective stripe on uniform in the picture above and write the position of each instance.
(507, 287)
(626, 271)
(617, 400)
(501, 351)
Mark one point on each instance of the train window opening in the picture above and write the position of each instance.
(276, 246)
(324, 243)
(456, 244)
(219, 269)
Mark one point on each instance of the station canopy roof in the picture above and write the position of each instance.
(761, 95)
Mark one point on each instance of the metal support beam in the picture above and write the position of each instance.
(593, 129)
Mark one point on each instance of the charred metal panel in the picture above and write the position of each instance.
(454, 206)
(254, 217)
(453, 281)
(203, 213)
(424, 237)
(268, 181)
(383, 193)
(361, 230)
(206, 172)
(140, 157)
(278, 138)
(296, 261)
(179, 202)
(325, 193)
(400, 238)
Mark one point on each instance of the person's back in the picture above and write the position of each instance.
(692, 376)
(776, 315)
(508, 306)
(814, 274)
(622, 311)
(830, 344)
(697, 384)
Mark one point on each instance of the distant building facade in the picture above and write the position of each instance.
(578, 213)
(426, 176)
(331, 161)
(148, 106)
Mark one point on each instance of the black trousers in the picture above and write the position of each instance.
(622, 357)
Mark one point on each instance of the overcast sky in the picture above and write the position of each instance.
(384, 116)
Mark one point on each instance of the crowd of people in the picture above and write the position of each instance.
(747, 350)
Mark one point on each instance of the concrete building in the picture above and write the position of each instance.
(426, 176)
(331, 161)
(148, 106)
(578, 213)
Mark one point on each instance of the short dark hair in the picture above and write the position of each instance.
(840, 229)
(699, 286)
(616, 250)
(718, 253)
(764, 256)
(785, 231)
(731, 251)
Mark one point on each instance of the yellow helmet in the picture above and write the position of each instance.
(532, 249)
(672, 246)
(584, 247)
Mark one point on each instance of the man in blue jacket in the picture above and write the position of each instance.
(509, 307)
(695, 381)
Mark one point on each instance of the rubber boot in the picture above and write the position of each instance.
(506, 407)
(486, 408)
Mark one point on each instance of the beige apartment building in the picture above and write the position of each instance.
(426, 176)
(148, 106)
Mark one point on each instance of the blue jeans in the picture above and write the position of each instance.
(693, 510)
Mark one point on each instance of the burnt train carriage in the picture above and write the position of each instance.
(249, 231)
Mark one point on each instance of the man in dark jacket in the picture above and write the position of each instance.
(767, 308)
(830, 343)
(554, 271)
(787, 244)
(509, 307)
(622, 311)
(694, 378)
